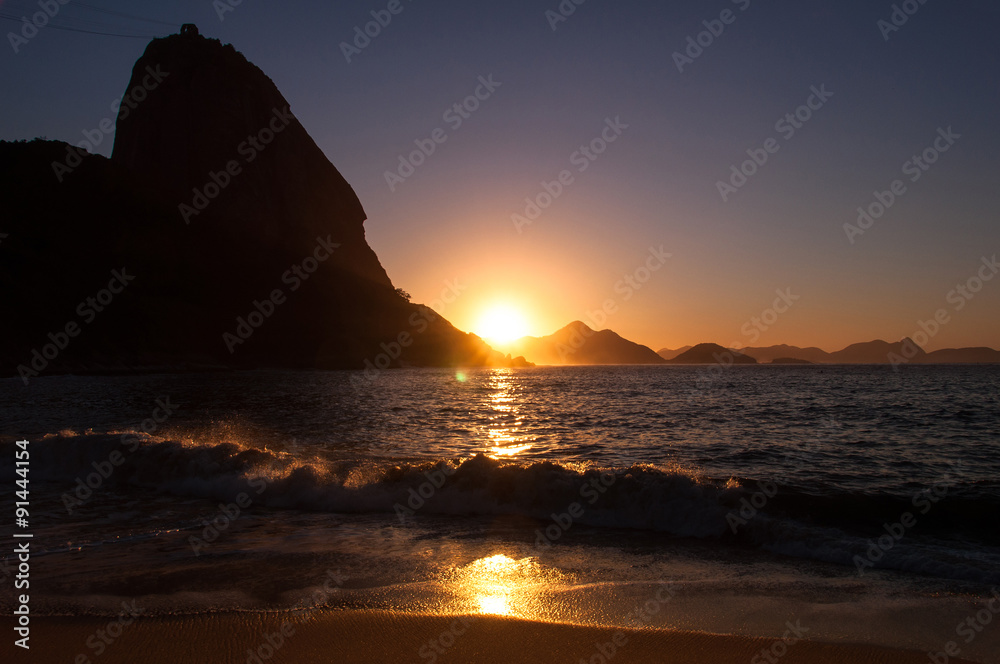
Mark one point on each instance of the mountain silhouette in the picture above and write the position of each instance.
(771, 353)
(875, 352)
(578, 344)
(242, 244)
(878, 352)
(669, 354)
(975, 355)
(709, 353)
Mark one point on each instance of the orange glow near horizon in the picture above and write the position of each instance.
(661, 317)
(553, 279)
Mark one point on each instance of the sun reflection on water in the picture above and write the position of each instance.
(503, 430)
(494, 604)
(501, 585)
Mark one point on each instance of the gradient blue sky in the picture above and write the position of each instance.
(656, 185)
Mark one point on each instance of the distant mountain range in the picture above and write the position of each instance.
(578, 344)
(874, 352)
(712, 354)
(668, 354)
(783, 351)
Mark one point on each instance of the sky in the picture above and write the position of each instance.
(639, 236)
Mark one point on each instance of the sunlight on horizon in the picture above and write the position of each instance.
(501, 323)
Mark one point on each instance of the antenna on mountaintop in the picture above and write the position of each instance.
(109, 23)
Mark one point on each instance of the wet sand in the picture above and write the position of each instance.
(376, 636)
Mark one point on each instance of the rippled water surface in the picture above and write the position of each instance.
(429, 490)
(850, 427)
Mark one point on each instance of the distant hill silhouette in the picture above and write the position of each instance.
(977, 355)
(213, 194)
(668, 354)
(771, 353)
(579, 344)
(712, 354)
(876, 352)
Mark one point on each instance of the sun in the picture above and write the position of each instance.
(501, 323)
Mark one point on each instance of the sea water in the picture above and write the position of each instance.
(857, 502)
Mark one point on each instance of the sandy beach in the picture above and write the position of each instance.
(462, 332)
(370, 636)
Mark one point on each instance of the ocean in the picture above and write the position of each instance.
(858, 503)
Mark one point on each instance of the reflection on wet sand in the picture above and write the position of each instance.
(501, 585)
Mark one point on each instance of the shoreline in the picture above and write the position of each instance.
(381, 636)
(185, 369)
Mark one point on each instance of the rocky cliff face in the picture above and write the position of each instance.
(246, 244)
(210, 108)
